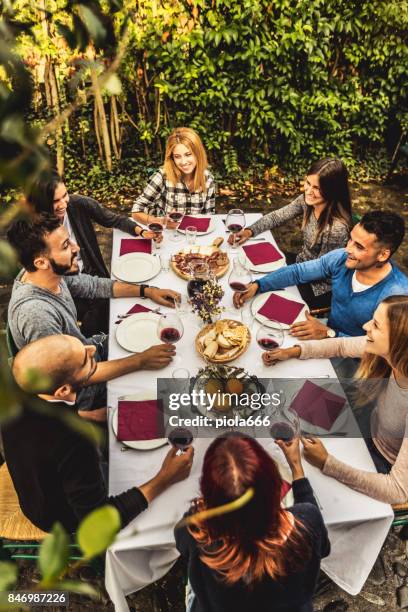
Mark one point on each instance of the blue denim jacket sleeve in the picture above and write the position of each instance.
(304, 272)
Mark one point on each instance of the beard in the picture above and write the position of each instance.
(63, 269)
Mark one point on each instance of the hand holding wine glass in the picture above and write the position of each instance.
(239, 278)
(181, 438)
(235, 223)
(156, 224)
(291, 450)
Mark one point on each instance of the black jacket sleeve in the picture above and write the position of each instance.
(303, 492)
(307, 510)
(107, 218)
(81, 477)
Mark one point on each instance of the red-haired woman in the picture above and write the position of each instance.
(260, 557)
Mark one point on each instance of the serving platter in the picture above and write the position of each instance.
(217, 260)
(223, 341)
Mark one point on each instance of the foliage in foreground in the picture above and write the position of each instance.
(95, 533)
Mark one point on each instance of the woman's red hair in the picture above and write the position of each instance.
(261, 538)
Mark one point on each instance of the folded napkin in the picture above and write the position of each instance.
(201, 223)
(137, 308)
(280, 309)
(140, 420)
(135, 245)
(318, 406)
(261, 253)
(286, 487)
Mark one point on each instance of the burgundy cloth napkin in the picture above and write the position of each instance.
(135, 245)
(280, 309)
(140, 420)
(261, 253)
(201, 224)
(286, 487)
(137, 308)
(318, 406)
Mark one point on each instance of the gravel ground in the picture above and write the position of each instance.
(387, 587)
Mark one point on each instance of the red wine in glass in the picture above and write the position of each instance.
(282, 431)
(155, 227)
(270, 338)
(176, 216)
(267, 343)
(234, 228)
(237, 286)
(170, 335)
(181, 438)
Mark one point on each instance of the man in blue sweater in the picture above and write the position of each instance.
(362, 275)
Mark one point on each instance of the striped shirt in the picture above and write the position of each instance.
(161, 196)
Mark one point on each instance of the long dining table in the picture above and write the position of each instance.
(144, 550)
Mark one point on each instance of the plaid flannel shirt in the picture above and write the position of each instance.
(161, 196)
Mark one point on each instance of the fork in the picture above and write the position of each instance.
(129, 314)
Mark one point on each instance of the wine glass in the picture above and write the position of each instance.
(182, 305)
(180, 438)
(235, 222)
(239, 277)
(156, 224)
(285, 424)
(170, 329)
(176, 216)
(270, 338)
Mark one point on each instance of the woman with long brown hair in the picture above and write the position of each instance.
(183, 184)
(260, 556)
(325, 208)
(383, 373)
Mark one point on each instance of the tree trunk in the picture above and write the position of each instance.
(100, 115)
(51, 88)
(115, 128)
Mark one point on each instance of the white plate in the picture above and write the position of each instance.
(137, 444)
(259, 301)
(263, 268)
(136, 267)
(138, 332)
(210, 229)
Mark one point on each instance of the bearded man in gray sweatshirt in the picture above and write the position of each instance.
(42, 302)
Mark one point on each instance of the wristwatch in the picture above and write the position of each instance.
(142, 291)
(141, 232)
(330, 333)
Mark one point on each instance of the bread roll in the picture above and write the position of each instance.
(211, 350)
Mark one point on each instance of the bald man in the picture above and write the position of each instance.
(55, 470)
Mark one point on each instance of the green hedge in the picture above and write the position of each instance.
(282, 80)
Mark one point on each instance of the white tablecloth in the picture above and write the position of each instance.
(145, 550)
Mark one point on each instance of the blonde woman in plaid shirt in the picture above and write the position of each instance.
(184, 183)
